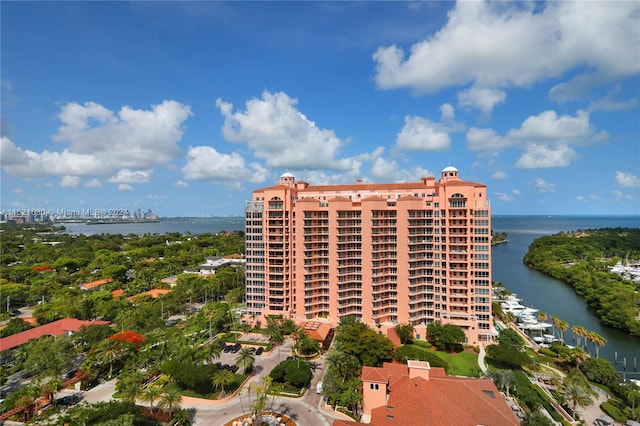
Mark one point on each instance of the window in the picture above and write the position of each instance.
(374, 386)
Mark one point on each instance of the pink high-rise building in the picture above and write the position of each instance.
(385, 253)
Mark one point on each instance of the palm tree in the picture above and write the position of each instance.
(542, 316)
(246, 359)
(575, 395)
(298, 334)
(170, 398)
(53, 386)
(150, 394)
(598, 341)
(554, 321)
(108, 351)
(347, 365)
(579, 331)
(503, 379)
(578, 355)
(308, 346)
(587, 339)
(562, 326)
(129, 391)
(181, 418)
(351, 399)
(273, 332)
(220, 379)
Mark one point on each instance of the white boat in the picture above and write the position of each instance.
(512, 304)
(535, 326)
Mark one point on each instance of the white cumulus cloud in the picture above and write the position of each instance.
(206, 163)
(504, 196)
(541, 185)
(70, 181)
(10, 154)
(545, 156)
(547, 139)
(627, 180)
(482, 98)
(277, 132)
(421, 134)
(99, 142)
(516, 44)
(131, 176)
(485, 140)
(93, 183)
(548, 126)
(125, 187)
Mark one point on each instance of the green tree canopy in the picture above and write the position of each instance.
(446, 336)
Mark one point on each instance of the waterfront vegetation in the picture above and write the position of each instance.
(582, 259)
(498, 237)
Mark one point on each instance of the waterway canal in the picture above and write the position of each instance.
(550, 295)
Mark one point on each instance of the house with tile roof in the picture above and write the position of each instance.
(95, 284)
(417, 395)
(65, 326)
(320, 331)
(154, 293)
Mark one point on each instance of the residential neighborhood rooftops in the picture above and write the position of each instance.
(95, 284)
(155, 293)
(55, 328)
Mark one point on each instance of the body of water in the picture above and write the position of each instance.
(189, 225)
(550, 295)
(535, 289)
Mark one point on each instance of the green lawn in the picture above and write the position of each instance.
(460, 364)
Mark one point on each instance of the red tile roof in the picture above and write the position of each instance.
(155, 293)
(317, 330)
(442, 400)
(373, 374)
(95, 284)
(55, 328)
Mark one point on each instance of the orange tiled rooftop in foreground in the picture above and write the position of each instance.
(416, 252)
(418, 395)
(56, 328)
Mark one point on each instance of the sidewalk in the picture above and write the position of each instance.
(481, 363)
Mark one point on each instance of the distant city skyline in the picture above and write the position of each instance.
(187, 107)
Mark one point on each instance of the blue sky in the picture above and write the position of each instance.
(185, 108)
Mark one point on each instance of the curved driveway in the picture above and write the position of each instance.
(305, 411)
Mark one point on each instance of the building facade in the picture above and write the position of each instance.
(385, 253)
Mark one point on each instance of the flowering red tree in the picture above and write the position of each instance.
(130, 337)
(42, 268)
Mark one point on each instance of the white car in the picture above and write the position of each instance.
(319, 388)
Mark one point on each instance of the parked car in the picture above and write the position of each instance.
(68, 400)
(259, 350)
